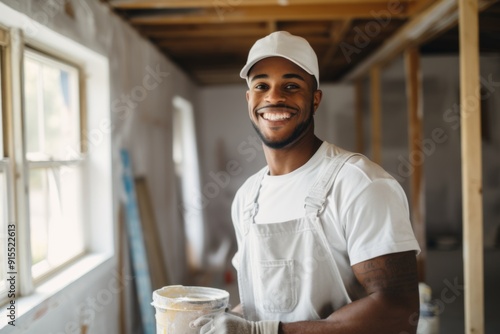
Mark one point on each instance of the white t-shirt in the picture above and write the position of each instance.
(366, 211)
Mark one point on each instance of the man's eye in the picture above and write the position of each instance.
(292, 86)
(260, 86)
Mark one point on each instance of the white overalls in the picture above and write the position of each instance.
(287, 271)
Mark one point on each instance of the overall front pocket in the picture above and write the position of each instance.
(277, 286)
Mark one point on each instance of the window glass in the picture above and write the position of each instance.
(52, 108)
(55, 217)
(52, 123)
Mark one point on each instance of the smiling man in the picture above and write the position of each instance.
(325, 244)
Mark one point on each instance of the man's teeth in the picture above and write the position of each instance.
(276, 116)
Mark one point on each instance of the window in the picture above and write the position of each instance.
(186, 169)
(55, 164)
(49, 142)
(52, 125)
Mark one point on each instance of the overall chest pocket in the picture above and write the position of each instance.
(278, 286)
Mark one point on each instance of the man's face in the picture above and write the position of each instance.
(281, 101)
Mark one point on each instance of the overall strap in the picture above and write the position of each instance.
(251, 200)
(316, 198)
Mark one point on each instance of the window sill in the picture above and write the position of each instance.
(32, 307)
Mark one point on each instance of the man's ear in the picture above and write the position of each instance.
(248, 95)
(317, 95)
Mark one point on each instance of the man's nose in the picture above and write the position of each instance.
(275, 95)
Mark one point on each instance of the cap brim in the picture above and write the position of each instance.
(244, 71)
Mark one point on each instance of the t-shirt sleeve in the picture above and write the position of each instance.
(377, 221)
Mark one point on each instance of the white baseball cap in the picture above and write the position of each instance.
(283, 44)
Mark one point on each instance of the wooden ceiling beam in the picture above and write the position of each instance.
(166, 4)
(209, 32)
(307, 28)
(271, 26)
(278, 13)
(338, 33)
(212, 62)
(214, 45)
(418, 6)
(303, 28)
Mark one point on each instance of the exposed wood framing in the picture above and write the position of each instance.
(242, 14)
(228, 44)
(271, 26)
(141, 4)
(472, 201)
(337, 34)
(416, 154)
(358, 116)
(358, 27)
(437, 18)
(376, 115)
(416, 7)
(214, 31)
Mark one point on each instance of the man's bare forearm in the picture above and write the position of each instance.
(391, 306)
(367, 315)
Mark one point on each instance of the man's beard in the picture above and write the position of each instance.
(299, 130)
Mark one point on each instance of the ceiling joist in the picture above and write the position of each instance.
(338, 33)
(166, 4)
(234, 43)
(212, 32)
(274, 13)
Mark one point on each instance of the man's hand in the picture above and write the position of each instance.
(228, 323)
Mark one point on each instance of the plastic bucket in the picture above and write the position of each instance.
(177, 306)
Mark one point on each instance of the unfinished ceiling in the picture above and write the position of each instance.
(210, 39)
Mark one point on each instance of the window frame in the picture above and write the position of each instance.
(8, 104)
(5, 170)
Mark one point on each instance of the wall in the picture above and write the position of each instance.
(225, 135)
(442, 156)
(141, 122)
